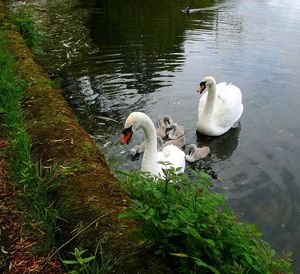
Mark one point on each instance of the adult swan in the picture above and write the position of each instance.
(151, 158)
(219, 108)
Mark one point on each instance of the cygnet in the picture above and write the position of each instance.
(164, 123)
(196, 153)
(175, 132)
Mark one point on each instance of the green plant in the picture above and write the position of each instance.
(79, 261)
(24, 20)
(89, 265)
(183, 219)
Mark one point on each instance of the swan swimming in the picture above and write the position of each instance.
(196, 153)
(151, 158)
(219, 108)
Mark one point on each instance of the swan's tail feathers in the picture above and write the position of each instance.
(236, 124)
(241, 112)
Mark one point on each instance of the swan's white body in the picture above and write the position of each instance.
(151, 158)
(219, 108)
(196, 153)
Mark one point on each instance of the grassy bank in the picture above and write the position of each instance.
(35, 182)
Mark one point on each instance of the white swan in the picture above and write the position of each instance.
(219, 108)
(196, 153)
(151, 158)
(175, 132)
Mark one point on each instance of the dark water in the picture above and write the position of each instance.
(116, 57)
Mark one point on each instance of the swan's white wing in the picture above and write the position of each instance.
(228, 108)
(172, 155)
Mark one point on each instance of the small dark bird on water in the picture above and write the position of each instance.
(187, 10)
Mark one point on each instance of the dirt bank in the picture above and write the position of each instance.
(89, 190)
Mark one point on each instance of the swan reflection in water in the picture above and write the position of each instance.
(221, 147)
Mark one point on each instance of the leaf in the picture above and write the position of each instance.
(70, 262)
(86, 260)
(182, 255)
(199, 262)
(73, 272)
(272, 253)
(191, 231)
(2, 110)
(210, 242)
(248, 259)
(257, 268)
(151, 212)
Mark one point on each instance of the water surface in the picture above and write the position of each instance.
(115, 57)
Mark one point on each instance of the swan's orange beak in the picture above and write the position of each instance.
(202, 87)
(127, 134)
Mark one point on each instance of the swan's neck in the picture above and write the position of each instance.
(150, 157)
(210, 101)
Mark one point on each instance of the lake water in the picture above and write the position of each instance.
(115, 57)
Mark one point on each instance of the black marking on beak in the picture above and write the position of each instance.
(127, 134)
(202, 87)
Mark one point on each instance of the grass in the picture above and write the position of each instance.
(186, 222)
(36, 181)
(23, 19)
